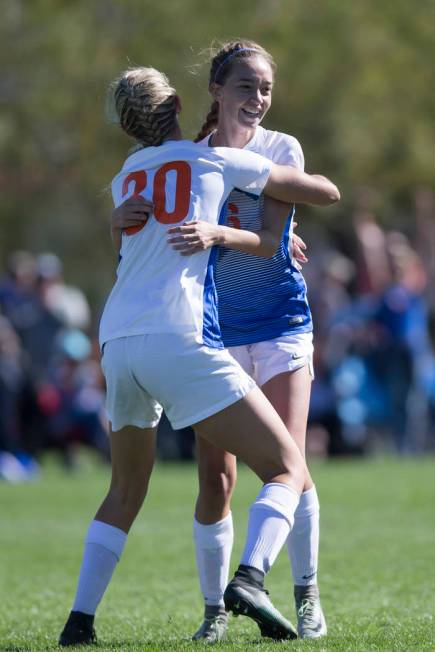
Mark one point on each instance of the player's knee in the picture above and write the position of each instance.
(129, 493)
(295, 470)
(290, 471)
(217, 485)
(298, 476)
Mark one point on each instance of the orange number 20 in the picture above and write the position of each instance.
(139, 179)
(182, 192)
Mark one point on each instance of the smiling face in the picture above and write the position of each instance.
(245, 96)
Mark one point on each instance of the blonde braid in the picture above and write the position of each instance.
(146, 105)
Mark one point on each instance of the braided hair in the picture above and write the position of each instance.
(221, 66)
(145, 105)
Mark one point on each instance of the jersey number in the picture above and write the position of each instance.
(182, 192)
(232, 218)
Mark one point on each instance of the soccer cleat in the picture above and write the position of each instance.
(78, 630)
(249, 599)
(311, 621)
(214, 627)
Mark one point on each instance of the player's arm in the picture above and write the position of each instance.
(132, 213)
(197, 235)
(264, 242)
(288, 184)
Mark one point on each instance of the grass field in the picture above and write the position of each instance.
(377, 565)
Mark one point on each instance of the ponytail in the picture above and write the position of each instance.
(210, 123)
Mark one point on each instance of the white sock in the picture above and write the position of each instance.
(303, 541)
(270, 521)
(103, 547)
(213, 545)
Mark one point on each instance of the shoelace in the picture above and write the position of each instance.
(219, 618)
(308, 610)
(214, 622)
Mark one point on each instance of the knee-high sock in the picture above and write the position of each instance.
(270, 520)
(303, 541)
(103, 547)
(213, 545)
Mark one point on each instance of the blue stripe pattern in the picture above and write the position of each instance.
(259, 299)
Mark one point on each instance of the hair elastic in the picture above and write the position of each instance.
(230, 56)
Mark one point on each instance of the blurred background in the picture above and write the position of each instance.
(354, 85)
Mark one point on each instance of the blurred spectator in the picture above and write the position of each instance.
(66, 303)
(402, 345)
(51, 386)
(72, 398)
(373, 310)
(13, 378)
(16, 462)
(20, 302)
(374, 360)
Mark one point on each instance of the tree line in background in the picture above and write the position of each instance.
(354, 85)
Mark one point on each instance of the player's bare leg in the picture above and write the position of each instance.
(217, 475)
(253, 431)
(289, 393)
(132, 454)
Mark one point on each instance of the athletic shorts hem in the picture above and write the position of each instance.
(288, 368)
(213, 409)
(134, 422)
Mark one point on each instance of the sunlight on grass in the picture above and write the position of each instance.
(377, 556)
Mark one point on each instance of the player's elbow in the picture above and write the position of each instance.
(335, 195)
(330, 195)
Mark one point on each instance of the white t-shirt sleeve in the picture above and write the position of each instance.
(287, 151)
(247, 171)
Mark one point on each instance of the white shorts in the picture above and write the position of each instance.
(265, 360)
(147, 373)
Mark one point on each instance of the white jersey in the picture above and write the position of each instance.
(278, 147)
(157, 290)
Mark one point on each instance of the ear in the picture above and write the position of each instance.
(216, 91)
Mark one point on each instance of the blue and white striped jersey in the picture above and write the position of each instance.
(260, 299)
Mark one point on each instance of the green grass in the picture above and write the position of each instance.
(376, 569)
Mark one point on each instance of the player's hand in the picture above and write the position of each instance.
(132, 215)
(193, 236)
(298, 247)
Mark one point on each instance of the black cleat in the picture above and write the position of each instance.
(78, 630)
(245, 596)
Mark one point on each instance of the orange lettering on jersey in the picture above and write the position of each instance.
(139, 179)
(182, 192)
(232, 219)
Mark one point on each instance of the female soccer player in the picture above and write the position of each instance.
(265, 322)
(162, 349)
